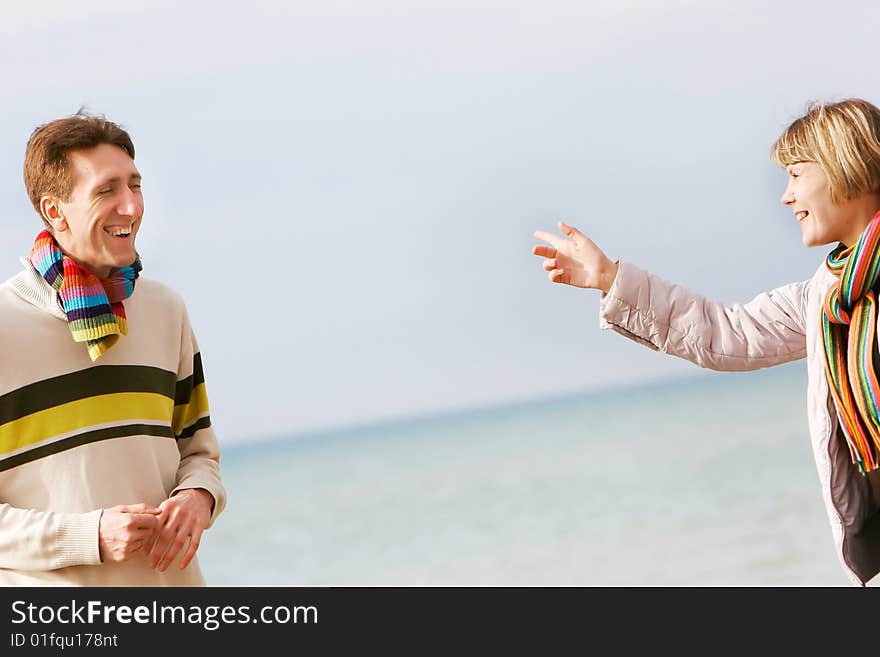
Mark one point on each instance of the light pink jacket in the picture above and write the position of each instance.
(773, 328)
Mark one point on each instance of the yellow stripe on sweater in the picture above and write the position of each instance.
(186, 414)
(83, 414)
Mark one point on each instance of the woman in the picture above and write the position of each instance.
(832, 156)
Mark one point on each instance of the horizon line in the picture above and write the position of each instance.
(464, 411)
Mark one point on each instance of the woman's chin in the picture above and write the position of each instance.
(810, 239)
(809, 243)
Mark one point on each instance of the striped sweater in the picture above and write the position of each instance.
(77, 437)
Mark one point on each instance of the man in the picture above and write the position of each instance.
(109, 467)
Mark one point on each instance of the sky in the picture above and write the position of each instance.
(345, 192)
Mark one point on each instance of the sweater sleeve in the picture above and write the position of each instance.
(199, 450)
(768, 330)
(46, 540)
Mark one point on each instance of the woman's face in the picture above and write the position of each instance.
(822, 222)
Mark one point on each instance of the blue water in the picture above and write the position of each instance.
(704, 481)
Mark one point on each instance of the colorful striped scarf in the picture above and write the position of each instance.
(95, 314)
(849, 329)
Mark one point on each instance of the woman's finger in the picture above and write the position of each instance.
(571, 231)
(545, 251)
(550, 238)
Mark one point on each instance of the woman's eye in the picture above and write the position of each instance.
(135, 186)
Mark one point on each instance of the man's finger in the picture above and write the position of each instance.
(173, 550)
(138, 508)
(156, 554)
(194, 541)
(545, 251)
(143, 520)
(158, 550)
(550, 264)
(149, 542)
(555, 240)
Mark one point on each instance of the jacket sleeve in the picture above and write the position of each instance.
(768, 330)
(199, 450)
(46, 540)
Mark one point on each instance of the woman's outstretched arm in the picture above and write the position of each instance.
(768, 330)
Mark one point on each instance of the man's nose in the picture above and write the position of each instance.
(129, 205)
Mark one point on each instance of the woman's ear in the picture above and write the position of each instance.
(50, 208)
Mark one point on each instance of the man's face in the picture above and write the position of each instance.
(98, 224)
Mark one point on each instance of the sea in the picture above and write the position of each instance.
(703, 481)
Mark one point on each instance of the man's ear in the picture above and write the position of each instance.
(50, 208)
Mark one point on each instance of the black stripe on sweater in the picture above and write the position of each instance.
(184, 388)
(90, 382)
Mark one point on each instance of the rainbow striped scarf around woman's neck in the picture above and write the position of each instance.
(849, 329)
(95, 314)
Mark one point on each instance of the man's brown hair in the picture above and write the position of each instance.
(46, 166)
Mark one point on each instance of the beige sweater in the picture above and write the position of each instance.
(77, 437)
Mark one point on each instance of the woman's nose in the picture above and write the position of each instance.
(787, 196)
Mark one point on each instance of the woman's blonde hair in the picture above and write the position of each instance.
(843, 138)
